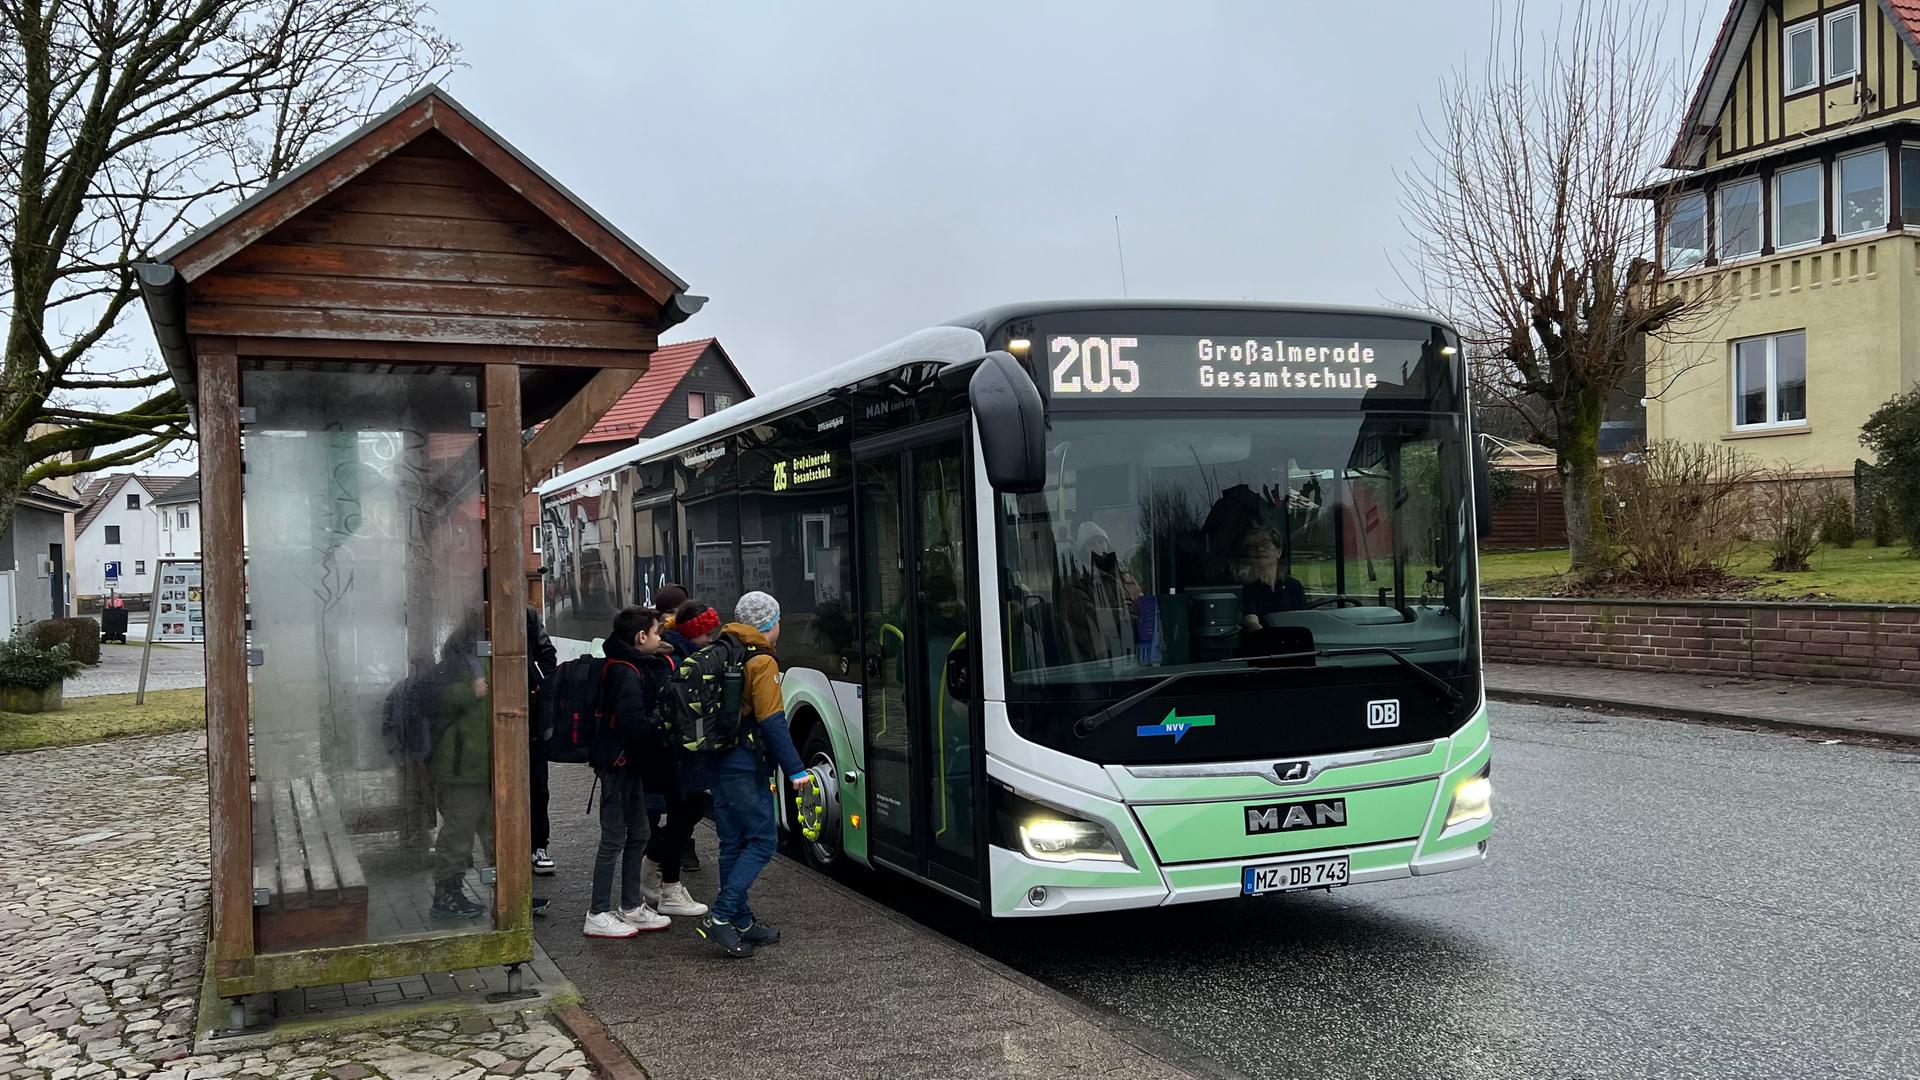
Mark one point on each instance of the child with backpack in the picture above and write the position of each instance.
(685, 802)
(626, 747)
(744, 746)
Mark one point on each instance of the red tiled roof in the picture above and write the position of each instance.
(1905, 15)
(635, 409)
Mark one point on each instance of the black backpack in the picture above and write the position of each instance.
(573, 712)
(701, 708)
(414, 714)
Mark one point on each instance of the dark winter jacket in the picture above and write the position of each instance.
(642, 746)
(691, 772)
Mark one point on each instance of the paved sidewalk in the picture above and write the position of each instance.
(852, 991)
(174, 667)
(1797, 706)
(103, 923)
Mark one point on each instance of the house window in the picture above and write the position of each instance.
(1770, 381)
(1860, 192)
(1802, 72)
(1843, 44)
(696, 405)
(133, 501)
(1686, 231)
(721, 401)
(185, 519)
(1796, 206)
(536, 539)
(139, 566)
(1739, 219)
(113, 534)
(1910, 185)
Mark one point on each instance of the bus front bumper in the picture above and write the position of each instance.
(1176, 852)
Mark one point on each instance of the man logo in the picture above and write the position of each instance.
(1290, 817)
(1292, 772)
(1383, 714)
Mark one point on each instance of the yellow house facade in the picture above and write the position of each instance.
(1798, 216)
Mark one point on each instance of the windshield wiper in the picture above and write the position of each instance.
(1447, 691)
(1089, 723)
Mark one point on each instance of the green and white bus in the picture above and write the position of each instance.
(1095, 605)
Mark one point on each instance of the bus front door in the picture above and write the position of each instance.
(917, 685)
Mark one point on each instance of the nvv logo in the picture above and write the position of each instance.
(1383, 714)
(1174, 725)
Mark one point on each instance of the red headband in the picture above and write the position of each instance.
(704, 623)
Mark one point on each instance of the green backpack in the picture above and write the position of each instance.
(702, 709)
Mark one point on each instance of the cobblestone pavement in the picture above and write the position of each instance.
(174, 667)
(103, 911)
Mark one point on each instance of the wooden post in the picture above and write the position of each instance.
(507, 627)
(229, 787)
(576, 418)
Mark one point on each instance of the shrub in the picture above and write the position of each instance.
(1836, 520)
(1505, 485)
(1893, 434)
(1675, 511)
(23, 663)
(80, 636)
(1794, 509)
(1882, 522)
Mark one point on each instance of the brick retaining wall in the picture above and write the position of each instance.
(1863, 644)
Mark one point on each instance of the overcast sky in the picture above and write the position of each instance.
(835, 175)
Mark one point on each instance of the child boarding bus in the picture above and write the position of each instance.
(1096, 605)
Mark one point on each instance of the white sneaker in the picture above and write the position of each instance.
(650, 880)
(542, 863)
(644, 918)
(608, 924)
(675, 900)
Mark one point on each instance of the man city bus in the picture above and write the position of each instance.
(1098, 605)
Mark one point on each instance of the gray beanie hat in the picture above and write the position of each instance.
(758, 610)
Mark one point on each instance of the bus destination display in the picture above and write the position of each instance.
(1180, 366)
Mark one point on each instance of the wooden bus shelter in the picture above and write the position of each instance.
(363, 345)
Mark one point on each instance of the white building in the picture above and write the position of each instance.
(179, 514)
(120, 524)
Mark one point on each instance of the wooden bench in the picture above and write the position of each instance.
(305, 863)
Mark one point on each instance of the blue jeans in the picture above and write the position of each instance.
(743, 818)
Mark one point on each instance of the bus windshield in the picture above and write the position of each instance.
(1168, 543)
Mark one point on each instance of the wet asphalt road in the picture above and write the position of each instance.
(1662, 900)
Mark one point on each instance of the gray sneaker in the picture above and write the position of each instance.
(724, 935)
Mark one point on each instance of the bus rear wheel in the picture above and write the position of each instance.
(816, 752)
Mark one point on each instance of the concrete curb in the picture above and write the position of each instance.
(1701, 716)
(610, 1059)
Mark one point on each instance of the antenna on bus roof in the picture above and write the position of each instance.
(1117, 246)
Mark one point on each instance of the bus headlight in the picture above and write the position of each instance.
(1472, 799)
(1062, 839)
(1050, 833)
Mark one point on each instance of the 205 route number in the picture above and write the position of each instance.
(1286, 877)
(1094, 365)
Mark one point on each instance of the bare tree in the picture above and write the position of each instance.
(123, 125)
(1525, 236)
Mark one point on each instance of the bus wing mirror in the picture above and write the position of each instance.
(1482, 490)
(1012, 419)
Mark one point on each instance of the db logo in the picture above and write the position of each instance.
(1383, 714)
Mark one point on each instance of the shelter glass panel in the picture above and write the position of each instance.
(370, 706)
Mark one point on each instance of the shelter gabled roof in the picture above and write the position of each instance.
(1723, 65)
(426, 111)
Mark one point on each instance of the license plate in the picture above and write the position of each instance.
(1286, 877)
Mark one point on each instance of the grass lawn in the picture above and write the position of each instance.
(1862, 573)
(91, 719)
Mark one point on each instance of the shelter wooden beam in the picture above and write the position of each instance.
(230, 823)
(575, 419)
(507, 628)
